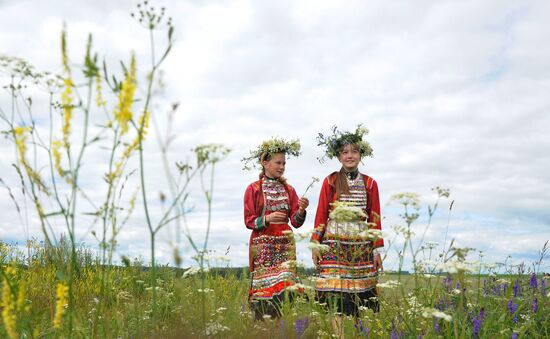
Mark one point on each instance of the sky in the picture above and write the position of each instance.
(455, 94)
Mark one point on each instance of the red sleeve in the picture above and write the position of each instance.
(250, 214)
(374, 213)
(296, 219)
(323, 210)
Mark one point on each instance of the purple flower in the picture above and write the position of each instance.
(533, 281)
(543, 286)
(300, 326)
(458, 285)
(505, 287)
(477, 322)
(447, 281)
(515, 335)
(361, 328)
(393, 334)
(437, 327)
(496, 290)
(512, 308)
(535, 305)
(476, 326)
(516, 288)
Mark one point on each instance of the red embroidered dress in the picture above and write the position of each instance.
(348, 265)
(272, 252)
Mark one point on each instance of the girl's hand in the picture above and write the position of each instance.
(377, 261)
(316, 256)
(276, 217)
(304, 203)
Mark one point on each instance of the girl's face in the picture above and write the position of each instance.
(350, 157)
(275, 166)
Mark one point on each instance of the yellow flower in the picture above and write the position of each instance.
(56, 145)
(21, 140)
(9, 315)
(62, 294)
(123, 112)
(67, 94)
(99, 92)
(21, 136)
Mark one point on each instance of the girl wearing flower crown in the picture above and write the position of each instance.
(347, 213)
(270, 204)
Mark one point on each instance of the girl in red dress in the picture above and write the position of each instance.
(270, 204)
(347, 270)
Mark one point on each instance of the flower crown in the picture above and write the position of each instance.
(271, 146)
(333, 143)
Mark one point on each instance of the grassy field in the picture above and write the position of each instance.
(116, 302)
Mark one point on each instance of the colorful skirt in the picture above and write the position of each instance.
(272, 262)
(348, 264)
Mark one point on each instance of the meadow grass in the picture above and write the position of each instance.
(214, 303)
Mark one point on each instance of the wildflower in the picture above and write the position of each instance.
(477, 322)
(191, 271)
(67, 94)
(447, 281)
(99, 93)
(300, 326)
(62, 293)
(389, 284)
(361, 328)
(516, 288)
(123, 113)
(535, 305)
(56, 145)
(512, 308)
(394, 334)
(455, 267)
(542, 285)
(344, 211)
(437, 327)
(515, 335)
(319, 247)
(299, 287)
(435, 313)
(533, 281)
(313, 180)
(213, 328)
(9, 315)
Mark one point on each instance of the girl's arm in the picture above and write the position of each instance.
(374, 213)
(252, 220)
(323, 209)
